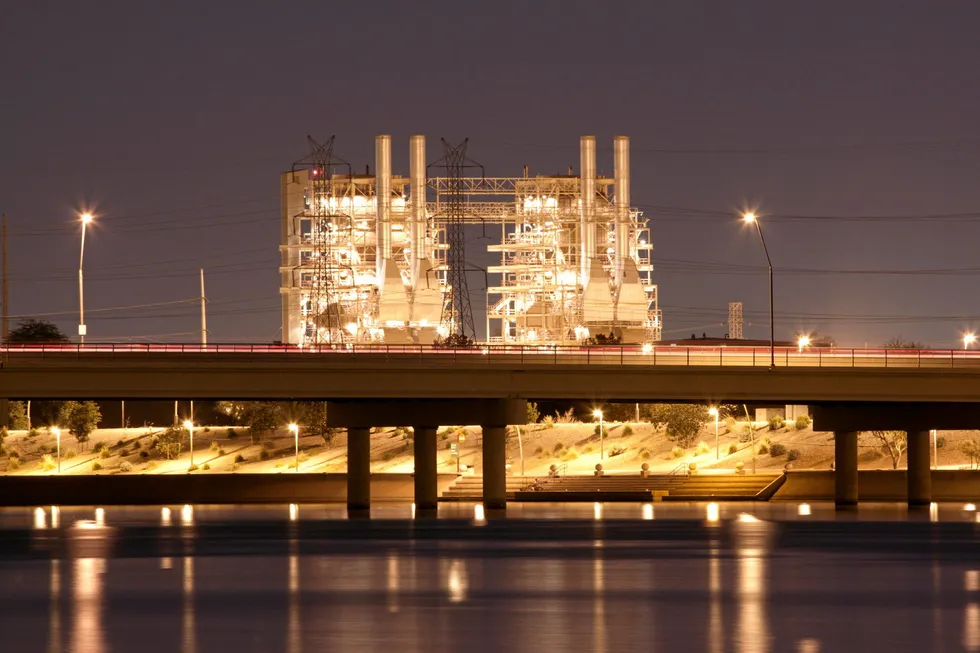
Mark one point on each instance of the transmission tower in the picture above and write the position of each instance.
(457, 313)
(735, 320)
(324, 310)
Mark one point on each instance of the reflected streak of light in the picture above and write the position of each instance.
(40, 519)
(971, 580)
(808, 645)
(293, 512)
(597, 510)
(933, 511)
(970, 507)
(166, 563)
(747, 518)
(716, 628)
(599, 610)
(457, 582)
(165, 519)
(712, 512)
(803, 510)
(479, 515)
(647, 511)
(188, 627)
(100, 517)
(87, 633)
(751, 551)
(293, 627)
(187, 515)
(971, 627)
(392, 582)
(413, 511)
(54, 622)
(55, 516)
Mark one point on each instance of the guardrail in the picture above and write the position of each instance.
(646, 355)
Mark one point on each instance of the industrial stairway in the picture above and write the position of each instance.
(470, 488)
(726, 487)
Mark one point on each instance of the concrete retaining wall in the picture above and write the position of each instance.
(203, 489)
(879, 485)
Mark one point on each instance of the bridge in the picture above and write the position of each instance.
(851, 390)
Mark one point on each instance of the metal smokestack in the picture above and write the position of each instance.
(416, 164)
(621, 172)
(587, 214)
(382, 163)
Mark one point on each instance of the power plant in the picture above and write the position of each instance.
(379, 258)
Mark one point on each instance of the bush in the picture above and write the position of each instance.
(240, 458)
(732, 448)
(677, 452)
(264, 455)
(617, 451)
(13, 464)
(125, 466)
(42, 449)
(221, 452)
(776, 422)
(558, 447)
(702, 449)
(96, 466)
(214, 446)
(645, 455)
(532, 413)
(192, 468)
(588, 449)
(763, 447)
(627, 429)
(777, 449)
(99, 447)
(14, 454)
(605, 431)
(569, 456)
(68, 455)
(548, 422)
(730, 423)
(206, 467)
(231, 434)
(538, 450)
(32, 433)
(48, 463)
(207, 429)
(940, 442)
(793, 454)
(105, 453)
(144, 454)
(802, 422)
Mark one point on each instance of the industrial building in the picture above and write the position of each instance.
(367, 258)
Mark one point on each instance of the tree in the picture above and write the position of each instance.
(898, 342)
(80, 418)
(454, 341)
(18, 415)
(532, 413)
(682, 421)
(36, 331)
(971, 448)
(170, 441)
(893, 442)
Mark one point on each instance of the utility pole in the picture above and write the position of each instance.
(204, 313)
(5, 286)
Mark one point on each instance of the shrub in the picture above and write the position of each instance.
(264, 455)
(732, 448)
(538, 450)
(532, 413)
(792, 454)
(605, 431)
(125, 466)
(240, 458)
(99, 447)
(776, 422)
(802, 422)
(231, 434)
(105, 453)
(569, 456)
(32, 433)
(206, 467)
(617, 451)
(207, 429)
(48, 463)
(144, 454)
(42, 449)
(548, 422)
(214, 446)
(558, 447)
(234, 467)
(730, 423)
(702, 449)
(192, 468)
(221, 452)
(645, 455)
(96, 466)
(677, 452)
(940, 442)
(763, 447)
(777, 449)
(568, 417)
(13, 464)
(588, 449)
(627, 429)
(14, 453)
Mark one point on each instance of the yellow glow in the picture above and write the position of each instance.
(165, 516)
(712, 512)
(597, 510)
(293, 512)
(56, 431)
(969, 339)
(100, 517)
(597, 413)
(352, 328)
(55, 516)
(647, 511)
(803, 510)
(188, 425)
(86, 217)
(294, 428)
(748, 216)
(479, 515)
(647, 348)
(40, 518)
(187, 515)
(970, 507)
(713, 412)
(803, 341)
(746, 517)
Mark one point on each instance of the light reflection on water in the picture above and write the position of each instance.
(731, 585)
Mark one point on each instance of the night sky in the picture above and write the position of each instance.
(852, 126)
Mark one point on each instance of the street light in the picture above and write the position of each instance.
(85, 218)
(969, 339)
(294, 429)
(602, 452)
(714, 413)
(57, 435)
(751, 217)
(189, 425)
(802, 342)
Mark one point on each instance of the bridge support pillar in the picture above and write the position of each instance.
(495, 467)
(919, 475)
(358, 471)
(426, 480)
(845, 469)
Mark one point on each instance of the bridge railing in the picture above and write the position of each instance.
(646, 355)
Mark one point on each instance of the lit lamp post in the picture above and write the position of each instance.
(189, 425)
(57, 435)
(602, 452)
(969, 339)
(714, 413)
(751, 217)
(85, 218)
(294, 429)
(802, 343)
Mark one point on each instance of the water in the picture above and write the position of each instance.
(611, 577)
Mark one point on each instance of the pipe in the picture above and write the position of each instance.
(382, 189)
(621, 164)
(416, 163)
(587, 214)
